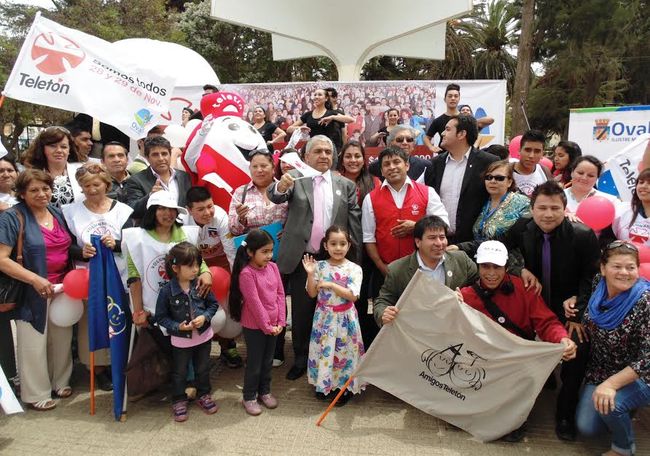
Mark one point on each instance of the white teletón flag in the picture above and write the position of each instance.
(68, 69)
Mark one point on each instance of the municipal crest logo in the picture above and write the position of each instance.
(601, 129)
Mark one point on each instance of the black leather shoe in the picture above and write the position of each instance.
(565, 430)
(103, 381)
(515, 436)
(296, 372)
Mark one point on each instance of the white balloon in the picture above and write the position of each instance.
(219, 320)
(191, 125)
(176, 135)
(65, 311)
(231, 330)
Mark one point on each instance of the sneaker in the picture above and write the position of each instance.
(252, 407)
(277, 362)
(179, 409)
(269, 401)
(232, 358)
(207, 404)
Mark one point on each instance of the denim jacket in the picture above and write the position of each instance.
(175, 307)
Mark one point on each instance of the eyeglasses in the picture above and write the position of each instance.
(491, 177)
(401, 139)
(63, 130)
(93, 168)
(266, 152)
(622, 244)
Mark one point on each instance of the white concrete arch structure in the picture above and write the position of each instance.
(364, 28)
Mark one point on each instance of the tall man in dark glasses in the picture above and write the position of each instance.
(560, 259)
(456, 176)
(403, 137)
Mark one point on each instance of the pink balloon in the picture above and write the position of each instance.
(644, 252)
(597, 212)
(644, 270)
(545, 161)
(514, 146)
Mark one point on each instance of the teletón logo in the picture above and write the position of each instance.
(56, 54)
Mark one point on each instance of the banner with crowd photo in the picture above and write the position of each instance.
(419, 102)
(68, 69)
(456, 364)
(605, 132)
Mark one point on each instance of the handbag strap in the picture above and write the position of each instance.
(21, 233)
(499, 315)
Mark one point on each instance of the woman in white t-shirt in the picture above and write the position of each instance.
(584, 175)
(633, 223)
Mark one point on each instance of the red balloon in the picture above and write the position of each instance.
(644, 270)
(514, 146)
(597, 212)
(545, 161)
(220, 282)
(644, 252)
(76, 283)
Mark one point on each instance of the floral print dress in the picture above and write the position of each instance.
(335, 346)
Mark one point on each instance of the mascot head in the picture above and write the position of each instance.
(222, 104)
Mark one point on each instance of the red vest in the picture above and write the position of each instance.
(386, 212)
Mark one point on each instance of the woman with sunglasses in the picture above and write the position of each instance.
(101, 215)
(502, 209)
(633, 223)
(269, 131)
(617, 320)
(54, 152)
(250, 207)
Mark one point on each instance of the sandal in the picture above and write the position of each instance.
(44, 405)
(64, 392)
(179, 411)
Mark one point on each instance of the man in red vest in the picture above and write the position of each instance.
(390, 211)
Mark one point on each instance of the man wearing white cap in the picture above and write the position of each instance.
(505, 299)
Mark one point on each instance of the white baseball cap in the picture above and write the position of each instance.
(492, 252)
(165, 199)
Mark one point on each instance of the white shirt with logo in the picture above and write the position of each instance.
(527, 182)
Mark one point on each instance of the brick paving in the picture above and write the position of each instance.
(374, 423)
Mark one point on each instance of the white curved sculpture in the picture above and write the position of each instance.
(363, 28)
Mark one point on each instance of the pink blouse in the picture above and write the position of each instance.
(57, 245)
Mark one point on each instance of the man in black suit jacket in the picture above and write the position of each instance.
(456, 175)
(574, 254)
(158, 176)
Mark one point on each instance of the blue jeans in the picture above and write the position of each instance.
(591, 423)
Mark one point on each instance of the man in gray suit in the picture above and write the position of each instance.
(315, 204)
(454, 269)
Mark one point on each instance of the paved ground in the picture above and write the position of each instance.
(375, 423)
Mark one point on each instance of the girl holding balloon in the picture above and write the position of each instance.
(584, 175)
(191, 337)
(44, 354)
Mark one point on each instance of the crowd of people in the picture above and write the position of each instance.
(501, 232)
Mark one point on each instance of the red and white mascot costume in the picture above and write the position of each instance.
(216, 149)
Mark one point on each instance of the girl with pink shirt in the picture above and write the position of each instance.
(257, 301)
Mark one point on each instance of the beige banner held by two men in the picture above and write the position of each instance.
(456, 364)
